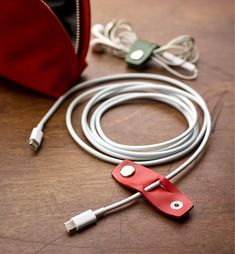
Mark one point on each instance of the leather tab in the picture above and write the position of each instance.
(166, 198)
(139, 53)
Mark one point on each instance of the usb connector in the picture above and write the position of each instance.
(80, 221)
(35, 139)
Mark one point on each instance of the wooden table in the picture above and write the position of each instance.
(39, 191)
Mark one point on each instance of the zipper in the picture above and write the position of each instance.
(77, 39)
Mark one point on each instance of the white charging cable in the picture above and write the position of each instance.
(110, 91)
(117, 37)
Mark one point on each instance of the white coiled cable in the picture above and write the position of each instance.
(118, 36)
(107, 92)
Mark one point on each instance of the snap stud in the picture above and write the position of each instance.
(127, 171)
(137, 54)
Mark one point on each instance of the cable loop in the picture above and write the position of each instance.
(111, 92)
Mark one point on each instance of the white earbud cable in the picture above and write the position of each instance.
(116, 37)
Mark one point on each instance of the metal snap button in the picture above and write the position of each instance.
(176, 205)
(127, 171)
(137, 54)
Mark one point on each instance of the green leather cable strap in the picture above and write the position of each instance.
(139, 53)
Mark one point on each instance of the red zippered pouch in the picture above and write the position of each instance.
(43, 44)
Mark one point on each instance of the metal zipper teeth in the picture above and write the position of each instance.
(77, 39)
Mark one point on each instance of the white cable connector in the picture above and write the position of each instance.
(117, 37)
(35, 139)
(80, 221)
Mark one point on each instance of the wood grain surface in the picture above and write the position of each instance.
(39, 191)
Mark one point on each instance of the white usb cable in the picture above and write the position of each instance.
(106, 92)
(117, 37)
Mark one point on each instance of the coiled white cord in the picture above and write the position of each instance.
(117, 37)
(113, 90)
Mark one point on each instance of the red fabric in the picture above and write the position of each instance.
(35, 49)
(161, 197)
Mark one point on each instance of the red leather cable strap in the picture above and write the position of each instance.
(166, 198)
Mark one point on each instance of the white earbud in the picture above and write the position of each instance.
(97, 30)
